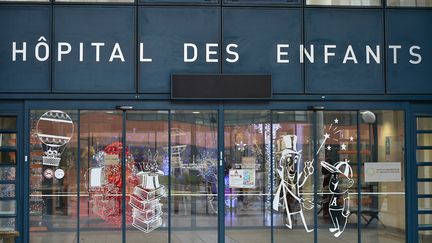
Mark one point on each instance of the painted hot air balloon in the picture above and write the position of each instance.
(54, 129)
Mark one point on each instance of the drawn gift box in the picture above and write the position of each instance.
(103, 206)
(149, 194)
(146, 226)
(142, 205)
(149, 214)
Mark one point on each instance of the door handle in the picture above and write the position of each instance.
(220, 158)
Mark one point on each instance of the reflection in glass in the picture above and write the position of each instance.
(7, 207)
(146, 138)
(424, 123)
(424, 172)
(383, 202)
(95, 1)
(424, 155)
(409, 3)
(7, 157)
(345, 2)
(7, 173)
(7, 224)
(8, 123)
(100, 172)
(424, 188)
(285, 125)
(53, 201)
(7, 190)
(338, 175)
(7, 139)
(425, 203)
(424, 139)
(194, 176)
(265, 1)
(425, 236)
(247, 176)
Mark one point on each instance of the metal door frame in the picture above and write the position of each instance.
(16, 109)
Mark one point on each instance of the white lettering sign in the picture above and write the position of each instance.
(383, 172)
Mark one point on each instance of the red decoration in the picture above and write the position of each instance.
(107, 203)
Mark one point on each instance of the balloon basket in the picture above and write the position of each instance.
(52, 161)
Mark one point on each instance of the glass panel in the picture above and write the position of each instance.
(97, 1)
(292, 136)
(24, 0)
(179, 1)
(7, 173)
(7, 224)
(7, 190)
(424, 123)
(146, 138)
(345, 2)
(425, 236)
(409, 3)
(7, 139)
(425, 219)
(247, 176)
(7, 157)
(101, 185)
(424, 188)
(7, 207)
(53, 184)
(8, 123)
(383, 185)
(338, 175)
(424, 139)
(424, 155)
(425, 203)
(424, 171)
(266, 2)
(194, 176)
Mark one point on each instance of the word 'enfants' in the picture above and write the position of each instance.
(191, 52)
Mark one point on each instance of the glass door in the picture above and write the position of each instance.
(219, 176)
(290, 176)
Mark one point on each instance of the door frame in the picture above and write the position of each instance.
(17, 109)
(416, 110)
(220, 106)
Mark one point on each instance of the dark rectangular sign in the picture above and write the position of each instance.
(220, 86)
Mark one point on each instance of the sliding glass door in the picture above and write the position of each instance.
(216, 176)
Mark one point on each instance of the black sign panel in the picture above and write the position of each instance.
(221, 86)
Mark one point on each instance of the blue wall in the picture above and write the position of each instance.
(256, 31)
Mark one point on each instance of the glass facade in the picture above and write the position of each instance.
(285, 174)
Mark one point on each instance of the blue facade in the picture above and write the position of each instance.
(101, 56)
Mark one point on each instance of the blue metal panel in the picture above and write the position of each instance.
(87, 24)
(163, 32)
(23, 24)
(257, 40)
(343, 28)
(408, 28)
(180, 1)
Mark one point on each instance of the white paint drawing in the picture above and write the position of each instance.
(293, 178)
(293, 174)
(340, 182)
(54, 129)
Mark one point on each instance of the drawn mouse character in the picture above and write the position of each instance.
(340, 182)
